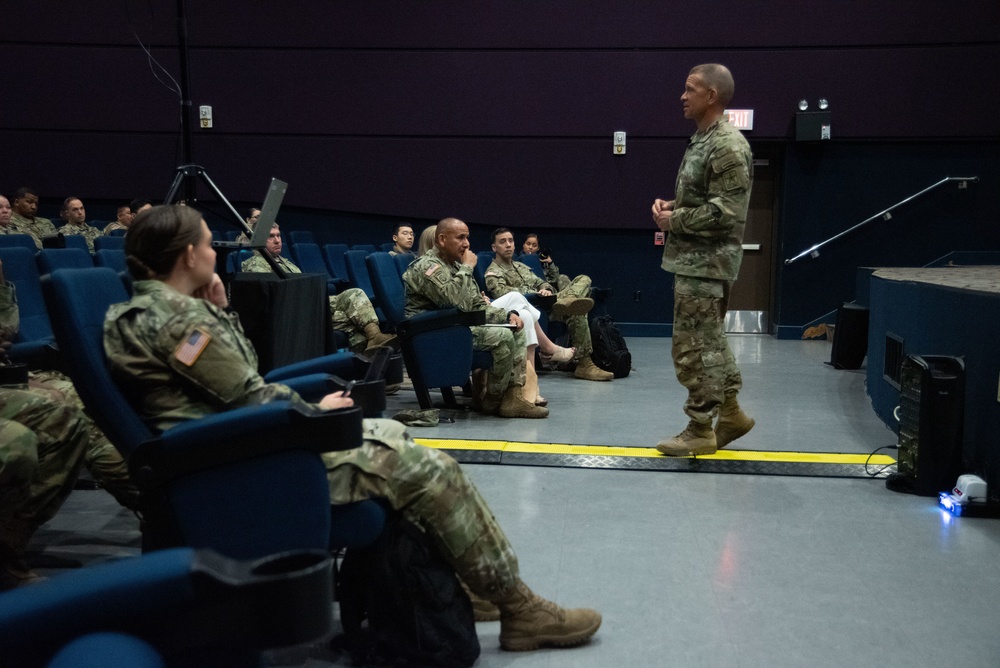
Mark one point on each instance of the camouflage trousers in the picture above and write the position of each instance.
(702, 359)
(101, 458)
(431, 490)
(350, 311)
(37, 480)
(577, 326)
(508, 351)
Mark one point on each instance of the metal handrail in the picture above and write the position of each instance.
(885, 215)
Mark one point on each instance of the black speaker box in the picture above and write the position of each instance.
(850, 337)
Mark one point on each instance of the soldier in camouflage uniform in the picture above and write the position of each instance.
(24, 220)
(122, 221)
(351, 312)
(505, 275)
(442, 278)
(703, 250)
(76, 222)
(179, 299)
(37, 472)
(101, 458)
(5, 213)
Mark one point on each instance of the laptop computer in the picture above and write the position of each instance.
(268, 214)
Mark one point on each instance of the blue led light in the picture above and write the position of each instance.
(948, 503)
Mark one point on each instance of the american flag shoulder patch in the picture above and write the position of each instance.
(433, 268)
(190, 349)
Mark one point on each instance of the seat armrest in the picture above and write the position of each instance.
(314, 386)
(239, 435)
(439, 319)
(338, 364)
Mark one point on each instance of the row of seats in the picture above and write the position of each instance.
(70, 240)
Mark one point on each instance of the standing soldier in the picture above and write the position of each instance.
(704, 248)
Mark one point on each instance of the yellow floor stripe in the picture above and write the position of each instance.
(607, 451)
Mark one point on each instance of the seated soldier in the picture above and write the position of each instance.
(5, 213)
(178, 293)
(102, 459)
(505, 275)
(351, 312)
(122, 221)
(76, 221)
(442, 278)
(402, 238)
(551, 271)
(24, 220)
(251, 218)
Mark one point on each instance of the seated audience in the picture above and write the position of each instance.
(122, 220)
(426, 240)
(5, 214)
(505, 275)
(351, 312)
(443, 278)
(76, 221)
(24, 220)
(178, 294)
(251, 218)
(402, 239)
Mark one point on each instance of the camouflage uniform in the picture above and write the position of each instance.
(704, 249)
(111, 227)
(88, 232)
(36, 227)
(141, 338)
(350, 311)
(432, 283)
(101, 458)
(502, 278)
(39, 481)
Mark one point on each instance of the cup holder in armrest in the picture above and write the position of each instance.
(276, 601)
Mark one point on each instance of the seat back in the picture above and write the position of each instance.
(76, 241)
(483, 261)
(309, 258)
(403, 262)
(387, 246)
(301, 237)
(367, 248)
(111, 258)
(357, 272)
(334, 256)
(19, 268)
(117, 243)
(117, 232)
(79, 299)
(388, 286)
(25, 241)
(50, 259)
(535, 264)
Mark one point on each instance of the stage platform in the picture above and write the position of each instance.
(949, 311)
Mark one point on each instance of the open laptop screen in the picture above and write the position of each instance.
(268, 213)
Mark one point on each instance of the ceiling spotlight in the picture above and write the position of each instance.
(823, 103)
(803, 105)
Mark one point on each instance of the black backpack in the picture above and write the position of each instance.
(417, 612)
(610, 352)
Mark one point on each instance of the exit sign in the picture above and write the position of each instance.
(741, 119)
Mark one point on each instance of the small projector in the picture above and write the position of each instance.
(968, 498)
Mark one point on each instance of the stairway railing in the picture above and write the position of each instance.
(813, 251)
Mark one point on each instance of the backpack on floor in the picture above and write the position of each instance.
(417, 612)
(610, 352)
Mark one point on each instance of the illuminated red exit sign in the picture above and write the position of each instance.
(741, 119)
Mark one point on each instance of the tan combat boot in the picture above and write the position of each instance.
(513, 405)
(587, 370)
(733, 422)
(482, 610)
(376, 339)
(696, 439)
(528, 621)
(567, 306)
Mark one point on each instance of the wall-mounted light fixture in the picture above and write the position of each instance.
(813, 125)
